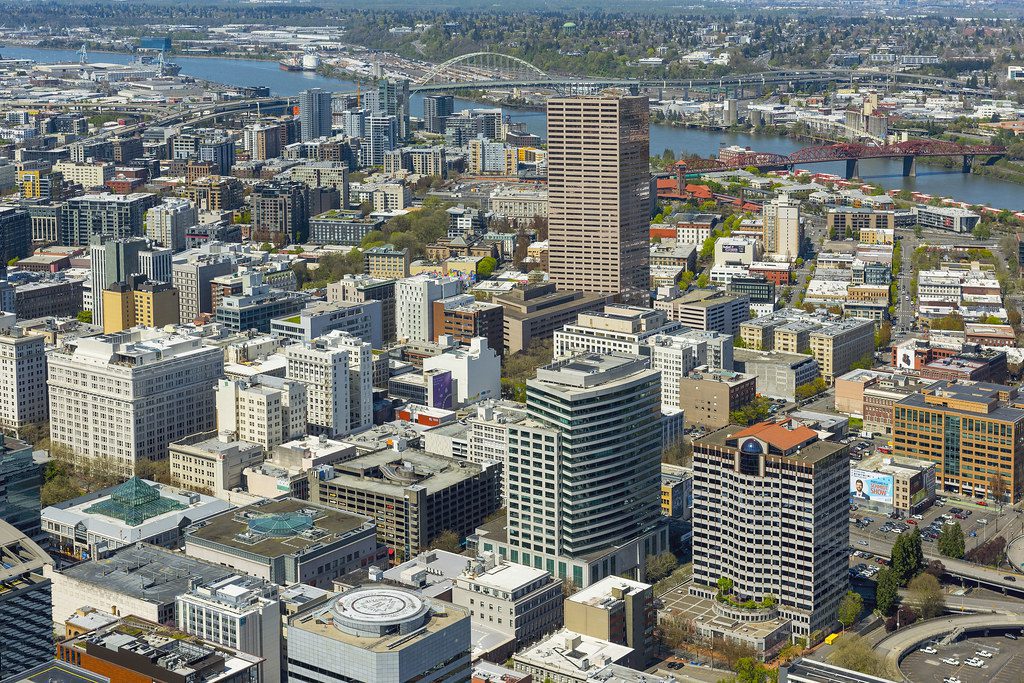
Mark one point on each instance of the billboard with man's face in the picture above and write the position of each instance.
(871, 486)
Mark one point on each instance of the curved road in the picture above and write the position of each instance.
(894, 646)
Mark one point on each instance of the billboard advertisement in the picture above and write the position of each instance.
(871, 486)
(734, 248)
(441, 390)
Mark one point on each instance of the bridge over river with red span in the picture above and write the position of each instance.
(851, 153)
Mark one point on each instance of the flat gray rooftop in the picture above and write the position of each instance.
(147, 572)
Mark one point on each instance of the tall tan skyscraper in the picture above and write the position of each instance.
(599, 194)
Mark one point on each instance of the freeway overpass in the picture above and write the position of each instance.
(968, 573)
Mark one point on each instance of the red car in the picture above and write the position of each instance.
(912, 521)
(982, 503)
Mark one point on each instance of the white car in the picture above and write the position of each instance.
(984, 653)
(951, 661)
(918, 517)
(929, 650)
(864, 543)
(976, 663)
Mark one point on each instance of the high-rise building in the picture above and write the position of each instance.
(972, 433)
(362, 288)
(242, 613)
(393, 100)
(710, 310)
(782, 231)
(314, 113)
(436, 110)
(599, 195)
(26, 627)
(264, 410)
(382, 135)
(583, 477)
(220, 150)
(167, 222)
(770, 516)
(280, 212)
(109, 215)
(414, 300)
(114, 260)
(136, 301)
(192, 280)
(337, 370)
(262, 141)
(22, 379)
(382, 634)
(386, 262)
(126, 396)
(20, 481)
(15, 233)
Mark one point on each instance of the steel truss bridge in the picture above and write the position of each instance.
(851, 153)
(493, 70)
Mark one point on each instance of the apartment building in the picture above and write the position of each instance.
(462, 317)
(168, 221)
(770, 515)
(212, 462)
(839, 345)
(262, 409)
(126, 396)
(971, 430)
(337, 370)
(708, 396)
(605, 513)
(192, 279)
(361, 320)
(363, 288)
(136, 302)
(707, 309)
(22, 379)
(109, 215)
(414, 299)
(386, 262)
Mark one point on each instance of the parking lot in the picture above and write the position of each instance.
(979, 522)
(1006, 665)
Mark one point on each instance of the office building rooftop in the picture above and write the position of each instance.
(274, 528)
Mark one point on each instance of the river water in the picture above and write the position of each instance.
(682, 141)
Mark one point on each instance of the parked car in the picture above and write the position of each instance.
(1009, 578)
(918, 517)
(952, 661)
(984, 653)
(929, 650)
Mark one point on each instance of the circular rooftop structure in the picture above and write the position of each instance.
(752, 447)
(281, 525)
(373, 612)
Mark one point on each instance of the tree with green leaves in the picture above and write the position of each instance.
(907, 556)
(447, 540)
(661, 565)
(703, 280)
(850, 651)
(84, 316)
(951, 541)
(850, 608)
(887, 591)
(925, 592)
(486, 267)
(749, 670)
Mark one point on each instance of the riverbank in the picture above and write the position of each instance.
(105, 50)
